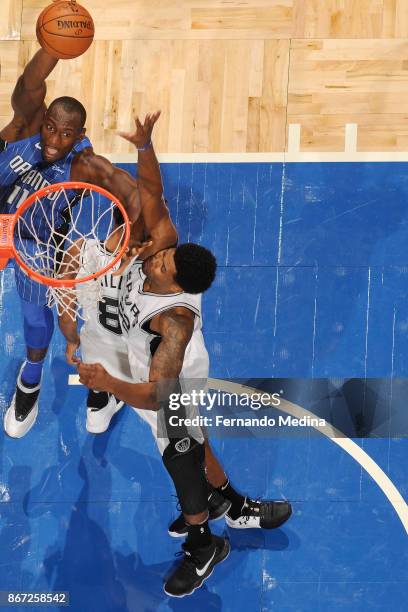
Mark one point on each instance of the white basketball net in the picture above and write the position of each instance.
(86, 243)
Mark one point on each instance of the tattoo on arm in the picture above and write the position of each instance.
(176, 328)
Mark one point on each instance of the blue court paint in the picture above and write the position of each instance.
(89, 514)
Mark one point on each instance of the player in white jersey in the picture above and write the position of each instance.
(153, 304)
(138, 308)
(187, 473)
(159, 306)
(157, 318)
(101, 335)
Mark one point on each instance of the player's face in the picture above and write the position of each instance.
(160, 269)
(59, 132)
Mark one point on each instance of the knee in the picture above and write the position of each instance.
(184, 461)
(38, 329)
(36, 355)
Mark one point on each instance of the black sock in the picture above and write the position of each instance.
(97, 399)
(235, 498)
(199, 536)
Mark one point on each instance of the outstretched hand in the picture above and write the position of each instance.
(135, 249)
(143, 134)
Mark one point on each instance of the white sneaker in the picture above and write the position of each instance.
(23, 410)
(97, 420)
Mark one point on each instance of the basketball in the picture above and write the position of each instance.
(65, 29)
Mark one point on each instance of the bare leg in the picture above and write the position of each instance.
(196, 519)
(215, 474)
(36, 354)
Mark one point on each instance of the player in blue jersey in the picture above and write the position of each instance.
(41, 146)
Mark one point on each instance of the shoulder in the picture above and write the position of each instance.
(177, 321)
(86, 164)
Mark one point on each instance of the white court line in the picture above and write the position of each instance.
(350, 138)
(294, 138)
(358, 454)
(256, 158)
(189, 158)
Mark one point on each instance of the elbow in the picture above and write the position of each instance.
(146, 397)
(154, 402)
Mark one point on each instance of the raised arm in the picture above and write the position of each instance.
(148, 168)
(28, 98)
(156, 217)
(98, 170)
(175, 327)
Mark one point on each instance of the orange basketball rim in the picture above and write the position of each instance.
(9, 224)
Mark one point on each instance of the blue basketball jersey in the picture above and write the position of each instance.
(22, 172)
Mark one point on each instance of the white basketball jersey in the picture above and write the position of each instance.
(138, 307)
(101, 314)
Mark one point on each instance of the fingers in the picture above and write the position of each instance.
(139, 247)
(155, 116)
(144, 246)
(72, 353)
(87, 373)
(151, 118)
(93, 376)
(144, 128)
(72, 359)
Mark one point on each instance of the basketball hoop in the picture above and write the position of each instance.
(46, 233)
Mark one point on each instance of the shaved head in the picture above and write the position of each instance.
(70, 106)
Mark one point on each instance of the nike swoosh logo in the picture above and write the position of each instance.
(201, 572)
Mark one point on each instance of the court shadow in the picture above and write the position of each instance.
(258, 539)
(60, 370)
(86, 561)
(140, 468)
(144, 586)
(16, 533)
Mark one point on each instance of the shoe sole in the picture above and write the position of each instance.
(34, 410)
(217, 517)
(224, 553)
(175, 534)
(119, 405)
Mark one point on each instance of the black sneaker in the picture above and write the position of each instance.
(261, 514)
(196, 567)
(23, 410)
(218, 506)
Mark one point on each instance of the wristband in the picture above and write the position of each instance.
(145, 147)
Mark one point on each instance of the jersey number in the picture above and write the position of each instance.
(18, 191)
(108, 315)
